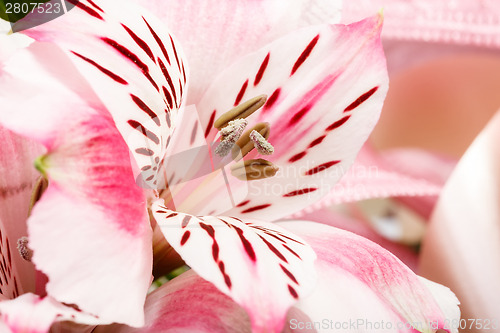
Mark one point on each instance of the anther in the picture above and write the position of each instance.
(22, 246)
(244, 144)
(241, 111)
(254, 169)
(230, 134)
(261, 144)
(41, 185)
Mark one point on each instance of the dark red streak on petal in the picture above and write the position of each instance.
(296, 117)
(300, 192)
(168, 97)
(293, 292)
(272, 99)
(338, 123)
(262, 69)
(150, 178)
(145, 108)
(147, 133)
(215, 251)
(361, 99)
(305, 54)
(293, 240)
(86, 9)
(297, 157)
(243, 203)
(241, 93)
(158, 41)
(320, 168)
(102, 69)
(209, 229)
(246, 244)
(126, 53)
(153, 83)
(171, 215)
(180, 90)
(273, 249)
(142, 44)
(167, 77)
(289, 274)
(193, 133)
(210, 124)
(144, 151)
(227, 280)
(255, 208)
(175, 52)
(95, 6)
(317, 141)
(291, 251)
(185, 237)
(183, 72)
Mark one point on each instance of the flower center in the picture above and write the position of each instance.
(231, 125)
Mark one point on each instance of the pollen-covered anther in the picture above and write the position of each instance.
(254, 169)
(244, 145)
(261, 144)
(241, 111)
(230, 134)
(22, 246)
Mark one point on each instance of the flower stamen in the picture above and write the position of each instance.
(41, 185)
(22, 246)
(254, 169)
(243, 110)
(244, 145)
(261, 144)
(230, 134)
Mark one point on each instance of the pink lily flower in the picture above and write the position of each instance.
(114, 84)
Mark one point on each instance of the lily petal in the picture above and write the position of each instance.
(17, 178)
(90, 242)
(370, 285)
(326, 86)
(132, 63)
(262, 267)
(362, 228)
(384, 175)
(468, 215)
(188, 303)
(243, 25)
(32, 314)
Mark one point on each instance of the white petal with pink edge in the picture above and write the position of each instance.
(359, 280)
(33, 314)
(261, 266)
(188, 304)
(326, 85)
(132, 63)
(90, 250)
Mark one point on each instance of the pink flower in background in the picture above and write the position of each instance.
(104, 90)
